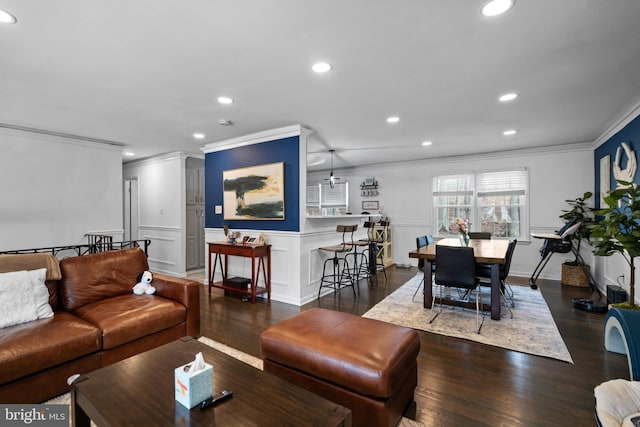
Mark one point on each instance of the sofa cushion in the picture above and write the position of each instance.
(24, 297)
(41, 344)
(126, 318)
(89, 278)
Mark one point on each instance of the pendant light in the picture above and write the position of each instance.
(332, 179)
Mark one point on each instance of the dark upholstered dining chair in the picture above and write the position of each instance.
(480, 235)
(484, 272)
(456, 268)
(422, 241)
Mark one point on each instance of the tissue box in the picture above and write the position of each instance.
(191, 388)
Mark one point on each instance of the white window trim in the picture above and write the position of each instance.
(475, 208)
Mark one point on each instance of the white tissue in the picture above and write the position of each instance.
(198, 363)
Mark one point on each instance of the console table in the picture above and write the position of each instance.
(260, 263)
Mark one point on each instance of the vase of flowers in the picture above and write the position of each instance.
(461, 226)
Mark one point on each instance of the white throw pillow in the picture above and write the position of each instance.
(23, 297)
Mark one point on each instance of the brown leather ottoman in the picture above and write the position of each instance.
(366, 365)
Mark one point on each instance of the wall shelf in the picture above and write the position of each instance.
(369, 187)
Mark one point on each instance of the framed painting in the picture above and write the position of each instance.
(254, 192)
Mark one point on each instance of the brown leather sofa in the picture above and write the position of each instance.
(97, 321)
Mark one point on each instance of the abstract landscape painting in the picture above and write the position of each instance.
(255, 192)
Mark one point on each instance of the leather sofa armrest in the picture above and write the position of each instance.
(185, 291)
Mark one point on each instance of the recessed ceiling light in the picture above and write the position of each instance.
(7, 18)
(321, 67)
(497, 7)
(509, 132)
(198, 135)
(508, 97)
(225, 100)
(393, 119)
(129, 153)
(426, 143)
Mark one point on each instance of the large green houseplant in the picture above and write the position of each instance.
(575, 272)
(617, 229)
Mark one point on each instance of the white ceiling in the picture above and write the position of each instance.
(146, 73)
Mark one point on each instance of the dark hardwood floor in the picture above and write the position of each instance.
(461, 383)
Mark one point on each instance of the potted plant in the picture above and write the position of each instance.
(618, 229)
(575, 272)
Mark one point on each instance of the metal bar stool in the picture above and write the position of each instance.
(338, 276)
(359, 268)
(375, 240)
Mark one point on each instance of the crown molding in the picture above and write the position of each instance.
(256, 138)
(61, 134)
(618, 125)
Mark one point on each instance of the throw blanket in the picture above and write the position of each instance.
(17, 262)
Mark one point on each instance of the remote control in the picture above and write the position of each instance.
(216, 398)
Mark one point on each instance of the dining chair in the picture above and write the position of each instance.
(456, 268)
(422, 241)
(484, 272)
(485, 235)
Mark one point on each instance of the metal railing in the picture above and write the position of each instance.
(96, 243)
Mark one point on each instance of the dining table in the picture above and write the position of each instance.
(492, 252)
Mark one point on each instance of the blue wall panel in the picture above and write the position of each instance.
(629, 134)
(281, 150)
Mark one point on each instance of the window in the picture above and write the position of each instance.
(493, 201)
(322, 199)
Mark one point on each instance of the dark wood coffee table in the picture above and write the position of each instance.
(140, 391)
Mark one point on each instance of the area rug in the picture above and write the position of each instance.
(237, 354)
(532, 329)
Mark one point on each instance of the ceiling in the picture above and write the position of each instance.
(147, 73)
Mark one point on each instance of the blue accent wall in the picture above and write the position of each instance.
(285, 150)
(629, 134)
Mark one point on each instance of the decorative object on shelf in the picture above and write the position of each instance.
(370, 204)
(262, 239)
(233, 236)
(369, 187)
(461, 226)
(332, 179)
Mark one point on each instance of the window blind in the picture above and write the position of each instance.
(336, 196)
(313, 194)
(503, 183)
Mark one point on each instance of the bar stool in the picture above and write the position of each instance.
(359, 268)
(375, 239)
(339, 274)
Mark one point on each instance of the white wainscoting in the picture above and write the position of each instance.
(165, 249)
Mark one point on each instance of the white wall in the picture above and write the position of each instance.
(161, 207)
(555, 175)
(54, 190)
